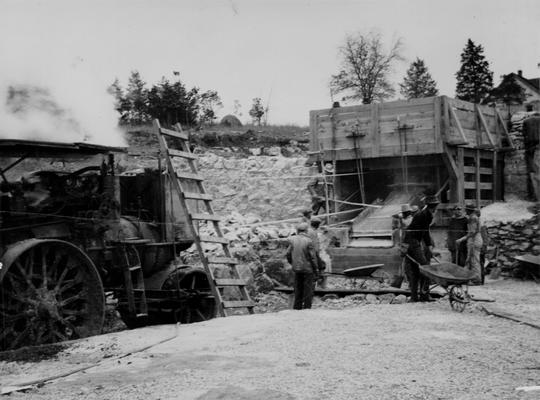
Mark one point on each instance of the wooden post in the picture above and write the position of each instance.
(437, 132)
(376, 137)
(446, 119)
(461, 177)
(495, 176)
(478, 192)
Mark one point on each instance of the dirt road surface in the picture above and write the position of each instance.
(385, 351)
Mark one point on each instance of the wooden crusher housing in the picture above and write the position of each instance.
(392, 153)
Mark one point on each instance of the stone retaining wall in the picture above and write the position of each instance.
(514, 239)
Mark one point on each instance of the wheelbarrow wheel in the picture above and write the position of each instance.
(458, 298)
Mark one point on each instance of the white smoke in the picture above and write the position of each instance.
(65, 105)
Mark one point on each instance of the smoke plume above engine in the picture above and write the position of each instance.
(67, 107)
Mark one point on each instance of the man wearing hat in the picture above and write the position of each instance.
(301, 255)
(474, 241)
(418, 249)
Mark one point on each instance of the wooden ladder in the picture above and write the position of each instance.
(179, 180)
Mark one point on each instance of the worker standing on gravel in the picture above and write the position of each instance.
(457, 228)
(313, 233)
(301, 255)
(474, 242)
(417, 249)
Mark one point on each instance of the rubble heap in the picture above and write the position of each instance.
(513, 228)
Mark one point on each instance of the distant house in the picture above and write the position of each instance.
(530, 86)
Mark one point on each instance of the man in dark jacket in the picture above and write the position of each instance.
(301, 255)
(419, 247)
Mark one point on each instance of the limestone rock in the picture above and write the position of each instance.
(372, 299)
(387, 298)
(399, 299)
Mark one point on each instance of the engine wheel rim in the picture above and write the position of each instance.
(51, 292)
(457, 298)
(195, 309)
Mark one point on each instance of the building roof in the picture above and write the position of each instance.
(33, 148)
(532, 84)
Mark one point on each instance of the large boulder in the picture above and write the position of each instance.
(280, 271)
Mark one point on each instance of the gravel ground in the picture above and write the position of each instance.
(384, 351)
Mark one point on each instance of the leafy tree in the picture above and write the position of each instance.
(172, 103)
(508, 92)
(418, 82)
(257, 110)
(209, 101)
(474, 79)
(365, 68)
(136, 99)
(120, 102)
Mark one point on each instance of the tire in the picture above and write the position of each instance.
(50, 291)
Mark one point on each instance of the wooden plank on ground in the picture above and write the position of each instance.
(511, 316)
(238, 304)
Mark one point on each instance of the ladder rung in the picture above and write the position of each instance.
(135, 268)
(183, 154)
(141, 315)
(205, 217)
(230, 282)
(214, 239)
(175, 134)
(197, 196)
(222, 260)
(189, 175)
(238, 304)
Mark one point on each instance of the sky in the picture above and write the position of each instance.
(283, 51)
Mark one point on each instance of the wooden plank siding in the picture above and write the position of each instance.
(427, 124)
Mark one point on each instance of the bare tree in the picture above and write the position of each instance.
(365, 68)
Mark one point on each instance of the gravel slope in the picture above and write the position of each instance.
(408, 351)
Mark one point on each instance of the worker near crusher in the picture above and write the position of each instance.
(474, 241)
(317, 189)
(301, 255)
(531, 142)
(417, 248)
(313, 233)
(457, 228)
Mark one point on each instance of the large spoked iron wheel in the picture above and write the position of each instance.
(50, 291)
(200, 306)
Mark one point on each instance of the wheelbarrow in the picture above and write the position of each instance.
(452, 278)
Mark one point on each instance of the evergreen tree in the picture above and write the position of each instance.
(474, 79)
(418, 82)
(172, 103)
(136, 98)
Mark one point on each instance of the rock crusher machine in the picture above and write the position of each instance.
(392, 153)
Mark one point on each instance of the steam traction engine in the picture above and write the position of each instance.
(69, 240)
